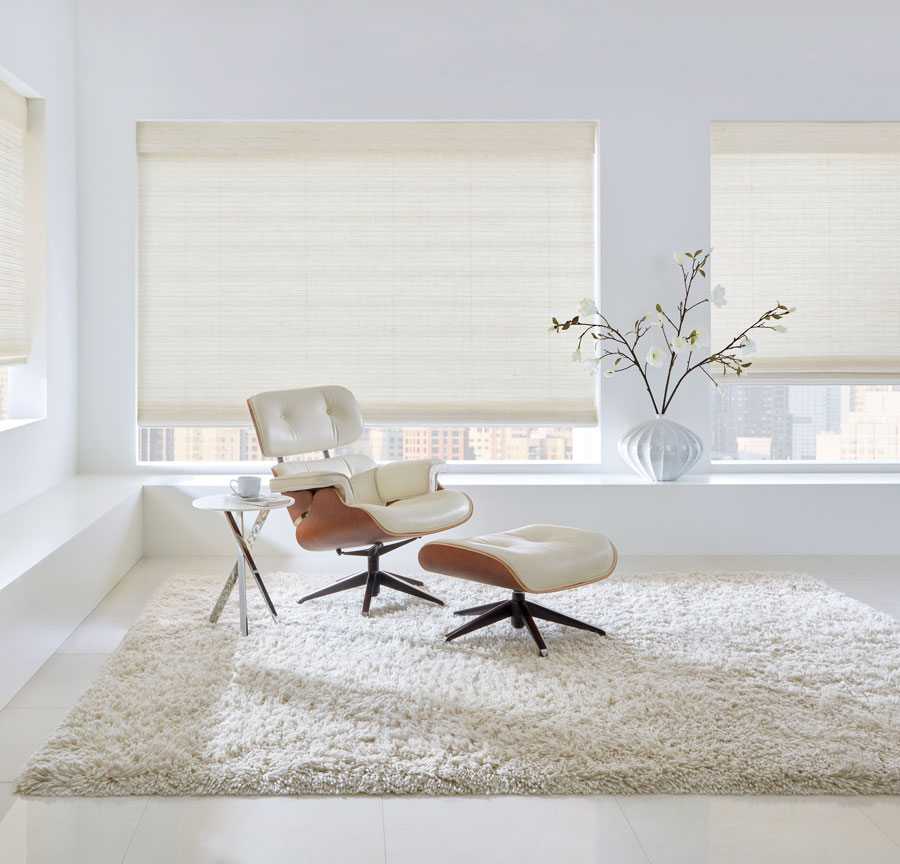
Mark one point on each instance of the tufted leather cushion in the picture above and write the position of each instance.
(537, 558)
(290, 422)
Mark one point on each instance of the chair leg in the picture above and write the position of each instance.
(405, 578)
(546, 614)
(341, 585)
(498, 613)
(533, 629)
(371, 589)
(390, 581)
(478, 610)
(375, 578)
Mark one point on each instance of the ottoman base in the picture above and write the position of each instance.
(521, 613)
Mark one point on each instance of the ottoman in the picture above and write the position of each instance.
(535, 559)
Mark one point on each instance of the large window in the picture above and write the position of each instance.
(457, 443)
(828, 423)
(417, 264)
(808, 214)
(14, 335)
(4, 394)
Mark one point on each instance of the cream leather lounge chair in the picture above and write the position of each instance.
(349, 501)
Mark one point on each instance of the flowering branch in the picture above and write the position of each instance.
(679, 340)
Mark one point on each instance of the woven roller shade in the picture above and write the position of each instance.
(417, 264)
(808, 214)
(14, 341)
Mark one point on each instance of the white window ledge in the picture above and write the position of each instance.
(458, 479)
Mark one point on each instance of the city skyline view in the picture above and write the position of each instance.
(832, 423)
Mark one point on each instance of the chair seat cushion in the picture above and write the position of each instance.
(536, 558)
(422, 514)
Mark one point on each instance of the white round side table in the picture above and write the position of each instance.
(229, 505)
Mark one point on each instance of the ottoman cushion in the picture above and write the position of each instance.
(536, 558)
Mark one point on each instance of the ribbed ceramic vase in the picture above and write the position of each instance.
(660, 449)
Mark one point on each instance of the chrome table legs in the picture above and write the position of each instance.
(238, 571)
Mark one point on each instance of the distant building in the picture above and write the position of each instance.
(752, 412)
(870, 430)
(427, 442)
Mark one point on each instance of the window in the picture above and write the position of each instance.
(4, 394)
(14, 335)
(415, 263)
(808, 214)
(484, 443)
(830, 423)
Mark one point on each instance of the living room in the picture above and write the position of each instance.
(597, 301)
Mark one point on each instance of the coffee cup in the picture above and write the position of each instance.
(246, 487)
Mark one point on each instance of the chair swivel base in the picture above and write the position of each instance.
(521, 613)
(374, 578)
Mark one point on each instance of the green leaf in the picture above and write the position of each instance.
(618, 361)
(658, 308)
(697, 252)
(700, 271)
(556, 322)
(688, 254)
(566, 326)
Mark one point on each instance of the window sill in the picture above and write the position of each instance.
(507, 478)
(6, 425)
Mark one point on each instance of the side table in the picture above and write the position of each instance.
(231, 505)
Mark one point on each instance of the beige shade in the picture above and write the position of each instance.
(808, 214)
(416, 264)
(14, 341)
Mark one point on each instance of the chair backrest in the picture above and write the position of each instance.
(291, 422)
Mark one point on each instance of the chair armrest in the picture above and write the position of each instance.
(309, 480)
(398, 480)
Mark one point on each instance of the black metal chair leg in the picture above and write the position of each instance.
(371, 584)
(533, 629)
(498, 613)
(406, 588)
(546, 614)
(478, 610)
(404, 578)
(342, 585)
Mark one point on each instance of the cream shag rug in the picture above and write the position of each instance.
(753, 683)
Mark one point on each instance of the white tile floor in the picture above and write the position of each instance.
(620, 829)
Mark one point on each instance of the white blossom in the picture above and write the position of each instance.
(576, 355)
(592, 365)
(718, 295)
(780, 328)
(608, 373)
(678, 344)
(587, 307)
(749, 346)
(655, 356)
(654, 318)
(679, 258)
(701, 337)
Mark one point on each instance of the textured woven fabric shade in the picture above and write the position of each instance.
(14, 342)
(808, 214)
(417, 264)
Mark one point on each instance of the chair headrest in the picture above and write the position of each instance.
(290, 422)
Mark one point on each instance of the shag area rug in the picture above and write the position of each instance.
(707, 683)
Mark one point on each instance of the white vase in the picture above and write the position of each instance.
(660, 449)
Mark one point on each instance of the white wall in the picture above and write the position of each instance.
(37, 45)
(654, 73)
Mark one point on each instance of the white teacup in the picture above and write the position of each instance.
(247, 487)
